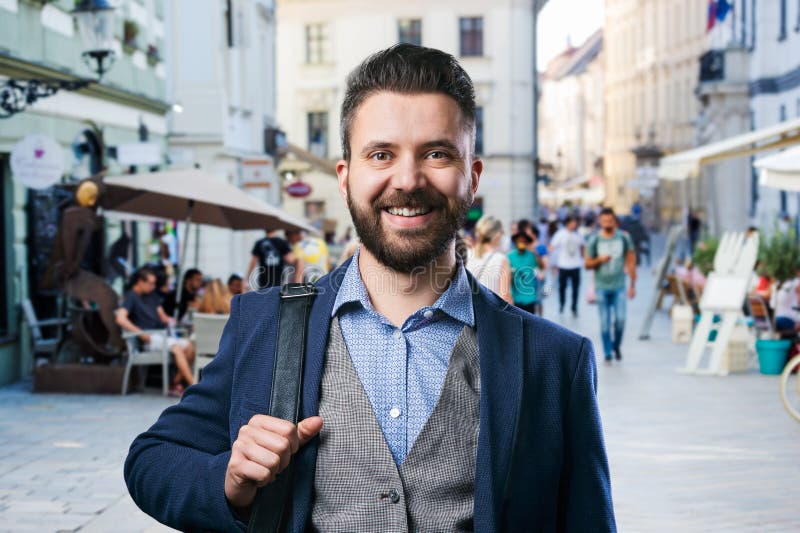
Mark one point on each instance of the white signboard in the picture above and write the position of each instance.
(255, 171)
(37, 161)
(724, 292)
(132, 154)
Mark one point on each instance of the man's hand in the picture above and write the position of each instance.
(262, 450)
(604, 259)
(145, 338)
(631, 292)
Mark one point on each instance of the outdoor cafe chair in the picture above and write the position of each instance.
(139, 357)
(207, 334)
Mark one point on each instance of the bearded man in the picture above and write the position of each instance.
(428, 403)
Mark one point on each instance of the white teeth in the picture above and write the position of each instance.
(408, 212)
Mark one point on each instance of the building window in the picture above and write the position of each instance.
(797, 24)
(317, 44)
(318, 134)
(229, 22)
(3, 280)
(782, 113)
(797, 110)
(782, 25)
(479, 130)
(409, 31)
(471, 30)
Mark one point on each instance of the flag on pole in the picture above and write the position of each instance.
(723, 6)
(712, 15)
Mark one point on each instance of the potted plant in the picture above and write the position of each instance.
(152, 55)
(703, 256)
(779, 257)
(130, 30)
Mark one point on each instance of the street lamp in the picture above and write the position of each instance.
(95, 19)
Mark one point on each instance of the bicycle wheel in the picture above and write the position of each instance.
(790, 392)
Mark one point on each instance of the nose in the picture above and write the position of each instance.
(408, 175)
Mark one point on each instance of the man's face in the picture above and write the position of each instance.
(195, 282)
(148, 284)
(572, 225)
(410, 178)
(235, 286)
(608, 223)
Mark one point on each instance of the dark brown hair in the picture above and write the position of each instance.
(408, 69)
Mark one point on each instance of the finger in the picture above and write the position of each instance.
(254, 453)
(277, 444)
(307, 429)
(249, 473)
(274, 425)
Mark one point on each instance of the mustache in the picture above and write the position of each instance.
(418, 198)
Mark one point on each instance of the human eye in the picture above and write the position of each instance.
(438, 154)
(380, 156)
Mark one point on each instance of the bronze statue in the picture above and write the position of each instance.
(78, 223)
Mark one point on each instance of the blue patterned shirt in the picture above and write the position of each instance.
(402, 369)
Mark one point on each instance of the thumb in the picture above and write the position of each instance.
(307, 429)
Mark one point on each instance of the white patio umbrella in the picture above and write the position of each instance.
(781, 170)
(194, 196)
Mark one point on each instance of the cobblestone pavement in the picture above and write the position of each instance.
(686, 453)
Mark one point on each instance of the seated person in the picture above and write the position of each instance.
(784, 302)
(216, 299)
(139, 311)
(235, 285)
(192, 283)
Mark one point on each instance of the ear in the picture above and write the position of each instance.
(343, 174)
(475, 175)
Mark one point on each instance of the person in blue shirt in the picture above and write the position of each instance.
(524, 274)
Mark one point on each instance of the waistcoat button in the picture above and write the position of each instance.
(394, 496)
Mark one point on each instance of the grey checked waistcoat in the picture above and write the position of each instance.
(358, 486)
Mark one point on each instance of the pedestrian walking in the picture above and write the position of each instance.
(270, 257)
(486, 261)
(567, 249)
(611, 254)
(524, 274)
(428, 402)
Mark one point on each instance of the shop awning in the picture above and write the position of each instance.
(683, 165)
(780, 171)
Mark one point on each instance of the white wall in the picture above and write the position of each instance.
(228, 97)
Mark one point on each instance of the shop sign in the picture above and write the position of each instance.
(37, 161)
(143, 153)
(298, 189)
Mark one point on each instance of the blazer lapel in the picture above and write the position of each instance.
(500, 346)
(305, 461)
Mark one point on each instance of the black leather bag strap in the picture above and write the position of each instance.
(287, 382)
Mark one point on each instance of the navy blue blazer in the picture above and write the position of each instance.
(541, 461)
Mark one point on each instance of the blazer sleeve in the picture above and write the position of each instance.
(175, 471)
(586, 487)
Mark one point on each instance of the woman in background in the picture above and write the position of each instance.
(216, 299)
(486, 262)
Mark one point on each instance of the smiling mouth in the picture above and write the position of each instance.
(408, 211)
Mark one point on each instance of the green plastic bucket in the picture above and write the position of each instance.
(772, 354)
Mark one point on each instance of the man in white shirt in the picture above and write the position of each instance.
(567, 247)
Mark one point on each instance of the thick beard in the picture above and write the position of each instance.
(409, 249)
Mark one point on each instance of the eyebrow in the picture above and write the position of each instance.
(376, 145)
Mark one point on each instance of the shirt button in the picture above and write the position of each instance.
(428, 313)
(394, 496)
(394, 412)
(397, 334)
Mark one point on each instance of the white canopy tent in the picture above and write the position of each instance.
(780, 171)
(687, 164)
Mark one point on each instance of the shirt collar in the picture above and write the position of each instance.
(456, 301)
